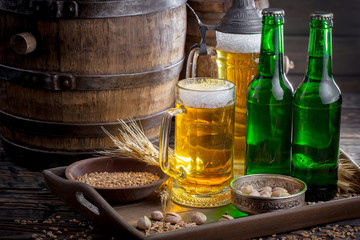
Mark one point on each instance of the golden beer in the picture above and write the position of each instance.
(237, 58)
(239, 68)
(203, 149)
(204, 128)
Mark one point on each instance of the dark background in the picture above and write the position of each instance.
(346, 38)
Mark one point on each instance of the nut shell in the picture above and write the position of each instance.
(265, 189)
(280, 189)
(198, 218)
(279, 194)
(255, 193)
(157, 215)
(247, 189)
(226, 217)
(266, 194)
(189, 225)
(172, 218)
(144, 223)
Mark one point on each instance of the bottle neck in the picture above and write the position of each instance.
(272, 47)
(319, 67)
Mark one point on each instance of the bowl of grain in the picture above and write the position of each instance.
(261, 193)
(117, 179)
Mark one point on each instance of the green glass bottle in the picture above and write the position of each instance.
(317, 111)
(269, 104)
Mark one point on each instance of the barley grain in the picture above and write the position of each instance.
(118, 179)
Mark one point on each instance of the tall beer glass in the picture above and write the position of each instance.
(237, 53)
(237, 59)
(201, 169)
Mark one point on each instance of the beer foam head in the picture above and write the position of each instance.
(205, 93)
(238, 43)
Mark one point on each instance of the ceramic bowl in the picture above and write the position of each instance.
(117, 164)
(255, 205)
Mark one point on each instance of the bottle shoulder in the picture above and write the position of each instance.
(318, 93)
(269, 89)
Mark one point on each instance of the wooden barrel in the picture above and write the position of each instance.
(210, 12)
(69, 67)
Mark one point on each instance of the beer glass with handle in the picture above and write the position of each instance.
(201, 169)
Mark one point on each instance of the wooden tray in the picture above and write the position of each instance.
(121, 218)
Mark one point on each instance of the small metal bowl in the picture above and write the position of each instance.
(255, 205)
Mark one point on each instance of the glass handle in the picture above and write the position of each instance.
(164, 141)
(191, 64)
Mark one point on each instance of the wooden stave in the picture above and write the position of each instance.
(12, 136)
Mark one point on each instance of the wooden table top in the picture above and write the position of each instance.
(28, 210)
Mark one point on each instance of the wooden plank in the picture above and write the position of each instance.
(351, 100)
(348, 84)
(346, 38)
(297, 15)
(346, 51)
(63, 228)
(295, 79)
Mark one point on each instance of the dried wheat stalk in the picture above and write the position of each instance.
(132, 142)
(349, 176)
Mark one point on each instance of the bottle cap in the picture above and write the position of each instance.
(273, 12)
(241, 18)
(320, 15)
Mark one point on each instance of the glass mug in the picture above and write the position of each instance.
(201, 169)
(235, 58)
